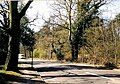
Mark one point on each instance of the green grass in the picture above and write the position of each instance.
(9, 73)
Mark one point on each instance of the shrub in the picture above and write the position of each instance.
(110, 65)
(60, 54)
(36, 53)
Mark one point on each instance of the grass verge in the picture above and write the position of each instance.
(8, 76)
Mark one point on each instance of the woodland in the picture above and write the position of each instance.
(74, 32)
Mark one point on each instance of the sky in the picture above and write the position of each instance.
(42, 9)
(109, 11)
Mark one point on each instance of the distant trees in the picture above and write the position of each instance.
(114, 38)
(76, 16)
(27, 36)
(75, 27)
(51, 42)
(102, 42)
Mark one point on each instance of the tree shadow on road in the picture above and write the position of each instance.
(111, 75)
(81, 76)
(28, 69)
(28, 76)
(37, 62)
(10, 79)
(47, 69)
(67, 67)
(29, 62)
(70, 74)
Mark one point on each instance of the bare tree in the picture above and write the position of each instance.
(76, 16)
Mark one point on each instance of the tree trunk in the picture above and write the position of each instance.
(25, 51)
(74, 51)
(15, 35)
(8, 54)
(32, 59)
(14, 47)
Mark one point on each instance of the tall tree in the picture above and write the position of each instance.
(64, 16)
(15, 31)
(86, 11)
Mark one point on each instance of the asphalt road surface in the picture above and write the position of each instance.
(74, 73)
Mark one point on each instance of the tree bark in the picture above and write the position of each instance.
(25, 51)
(15, 35)
(74, 51)
(14, 45)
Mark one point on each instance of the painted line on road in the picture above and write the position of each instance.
(100, 76)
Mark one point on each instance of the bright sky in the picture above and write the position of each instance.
(41, 8)
(109, 11)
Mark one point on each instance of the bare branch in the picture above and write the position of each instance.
(30, 21)
(55, 24)
(23, 11)
(2, 23)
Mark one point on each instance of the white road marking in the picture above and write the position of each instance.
(100, 76)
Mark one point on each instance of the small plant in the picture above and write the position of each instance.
(110, 65)
(36, 53)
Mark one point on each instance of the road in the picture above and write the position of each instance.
(75, 73)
